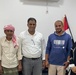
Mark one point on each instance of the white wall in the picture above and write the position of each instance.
(15, 12)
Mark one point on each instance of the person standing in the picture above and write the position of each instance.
(10, 52)
(58, 50)
(33, 49)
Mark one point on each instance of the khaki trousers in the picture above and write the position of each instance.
(10, 71)
(53, 69)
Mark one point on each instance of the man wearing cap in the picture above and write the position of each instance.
(10, 53)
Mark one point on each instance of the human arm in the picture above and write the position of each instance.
(46, 59)
(20, 65)
(67, 62)
(1, 71)
(68, 48)
(43, 52)
(0, 58)
(19, 56)
(48, 48)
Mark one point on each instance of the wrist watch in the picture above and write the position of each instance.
(68, 61)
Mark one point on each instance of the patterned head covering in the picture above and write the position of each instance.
(14, 40)
(9, 27)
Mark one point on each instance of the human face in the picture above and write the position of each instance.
(9, 33)
(31, 26)
(58, 27)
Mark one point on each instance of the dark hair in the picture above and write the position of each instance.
(32, 19)
(59, 21)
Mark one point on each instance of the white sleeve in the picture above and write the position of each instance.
(43, 48)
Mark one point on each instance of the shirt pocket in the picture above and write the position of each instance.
(15, 50)
(5, 48)
(37, 42)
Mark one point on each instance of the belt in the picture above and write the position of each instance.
(31, 58)
(34, 58)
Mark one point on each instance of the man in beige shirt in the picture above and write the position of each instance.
(10, 53)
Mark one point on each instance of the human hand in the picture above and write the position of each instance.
(73, 69)
(20, 67)
(43, 64)
(47, 64)
(66, 64)
(1, 70)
